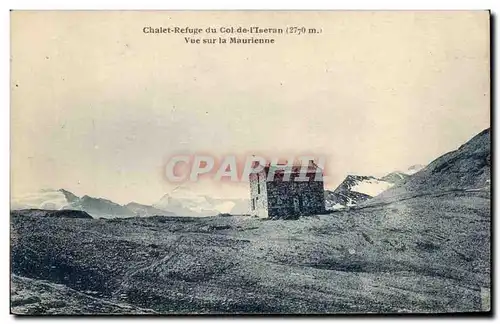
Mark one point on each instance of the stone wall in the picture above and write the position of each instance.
(279, 198)
(258, 195)
(290, 199)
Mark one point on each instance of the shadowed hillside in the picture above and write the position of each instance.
(467, 168)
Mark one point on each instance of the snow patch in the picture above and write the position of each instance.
(371, 187)
(337, 206)
(400, 175)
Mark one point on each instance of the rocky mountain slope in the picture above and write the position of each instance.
(467, 168)
(414, 169)
(395, 177)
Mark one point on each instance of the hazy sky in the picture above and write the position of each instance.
(98, 106)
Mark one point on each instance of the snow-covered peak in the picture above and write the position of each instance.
(42, 199)
(371, 187)
(184, 202)
(356, 189)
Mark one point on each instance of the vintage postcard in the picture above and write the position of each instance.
(250, 162)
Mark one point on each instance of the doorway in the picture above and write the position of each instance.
(297, 205)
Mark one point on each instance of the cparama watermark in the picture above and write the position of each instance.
(191, 167)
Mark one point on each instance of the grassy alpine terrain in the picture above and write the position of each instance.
(364, 260)
(422, 246)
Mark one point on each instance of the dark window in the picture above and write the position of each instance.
(258, 184)
(253, 204)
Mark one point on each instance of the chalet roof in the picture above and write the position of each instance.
(296, 168)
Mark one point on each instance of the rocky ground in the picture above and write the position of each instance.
(424, 253)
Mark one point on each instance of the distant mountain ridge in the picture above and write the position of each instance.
(99, 207)
(177, 203)
(184, 202)
(146, 210)
(62, 199)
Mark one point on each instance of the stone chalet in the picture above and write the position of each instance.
(289, 192)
